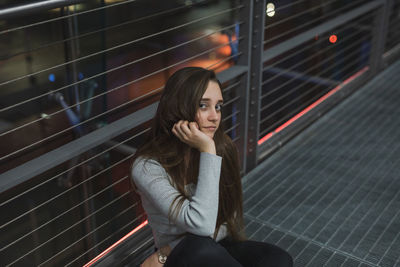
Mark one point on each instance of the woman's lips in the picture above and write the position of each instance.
(210, 128)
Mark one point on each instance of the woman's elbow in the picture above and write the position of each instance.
(205, 228)
(204, 231)
(202, 224)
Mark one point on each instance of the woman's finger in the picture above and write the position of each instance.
(182, 134)
(185, 129)
(178, 128)
(193, 125)
(173, 130)
(176, 132)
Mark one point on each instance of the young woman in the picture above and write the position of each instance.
(188, 177)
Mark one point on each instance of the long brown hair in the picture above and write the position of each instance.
(180, 101)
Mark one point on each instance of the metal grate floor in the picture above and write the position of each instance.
(331, 196)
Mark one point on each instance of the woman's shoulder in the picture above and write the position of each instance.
(147, 174)
(144, 163)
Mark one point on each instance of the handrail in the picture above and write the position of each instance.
(57, 156)
(25, 9)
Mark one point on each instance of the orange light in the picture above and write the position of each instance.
(333, 38)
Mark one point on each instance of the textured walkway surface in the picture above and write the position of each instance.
(331, 196)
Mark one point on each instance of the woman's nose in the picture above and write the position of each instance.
(213, 115)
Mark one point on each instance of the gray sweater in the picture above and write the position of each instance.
(198, 214)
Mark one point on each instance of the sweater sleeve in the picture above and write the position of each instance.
(197, 215)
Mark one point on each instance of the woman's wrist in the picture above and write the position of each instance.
(209, 149)
(163, 253)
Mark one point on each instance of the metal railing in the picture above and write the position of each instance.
(79, 115)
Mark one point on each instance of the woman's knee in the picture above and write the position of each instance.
(254, 253)
(281, 258)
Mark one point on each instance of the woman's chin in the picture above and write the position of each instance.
(210, 135)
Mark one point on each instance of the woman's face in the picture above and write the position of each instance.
(208, 115)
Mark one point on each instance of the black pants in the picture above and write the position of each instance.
(204, 251)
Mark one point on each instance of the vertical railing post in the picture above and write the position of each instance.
(256, 66)
(245, 17)
(379, 33)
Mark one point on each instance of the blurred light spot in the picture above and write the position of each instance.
(270, 10)
(80, 75)
(333, 38)
(225, 51)
(45, 116)
(75, 8)
(52, 77)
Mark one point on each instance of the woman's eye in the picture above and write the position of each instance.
(217, 107)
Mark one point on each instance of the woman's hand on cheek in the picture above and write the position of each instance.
(190, 134)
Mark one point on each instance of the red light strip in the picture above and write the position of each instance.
(310, 107)
(115, 244)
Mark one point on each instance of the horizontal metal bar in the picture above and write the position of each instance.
(230, 116)
(233, 127)
(231, 100)
(47, 201)
(124, 149)
(225, 59)
(287, 45)
(288, 5)
(300, 75)
(231, 73)
(27, 9)
(51, 159)
(226, 89)
(234, 140)
(68, 16)
(392, 52)
(73, 167)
